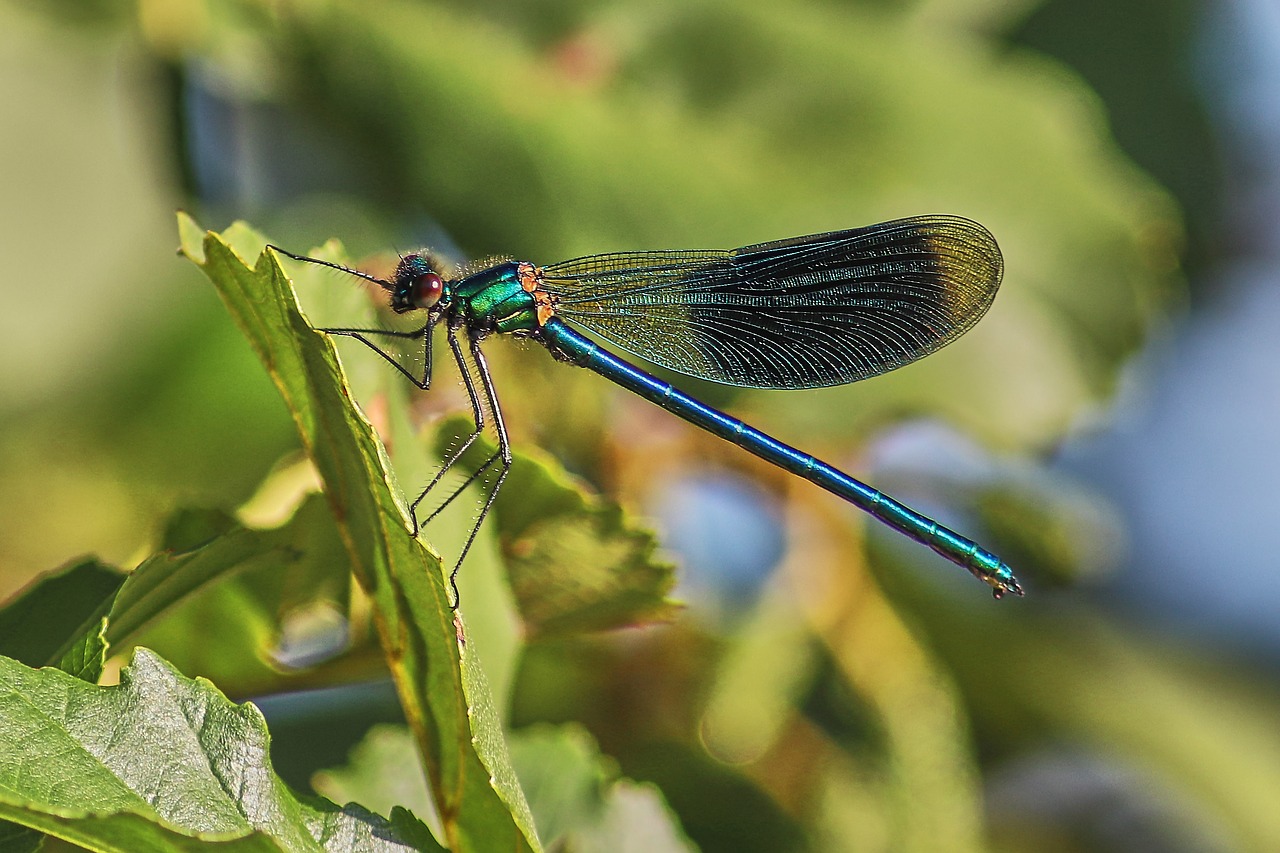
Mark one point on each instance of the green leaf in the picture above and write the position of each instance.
(577, 562)
(384, 770)
(438, 677)
(240, 581)
(276, 600)
(253, 585)
(87, 657)
(581, 803)
(578, 800)
(189, 528)
(19, 839)
(43, 622)
(159, 762)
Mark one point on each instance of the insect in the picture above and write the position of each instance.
(807, 312)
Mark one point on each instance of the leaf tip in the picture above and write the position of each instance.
(190, 238)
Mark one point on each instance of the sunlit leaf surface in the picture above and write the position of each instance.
(160, 762)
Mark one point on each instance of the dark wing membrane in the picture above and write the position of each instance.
(800, 313)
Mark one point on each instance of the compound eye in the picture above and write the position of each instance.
(425, 290)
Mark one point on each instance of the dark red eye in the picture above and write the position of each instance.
(426, 290)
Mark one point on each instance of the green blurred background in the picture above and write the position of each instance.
(1108, 428)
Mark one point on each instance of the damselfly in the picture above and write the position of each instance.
(807, 312)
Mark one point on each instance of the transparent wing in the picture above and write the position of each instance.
(801, 313)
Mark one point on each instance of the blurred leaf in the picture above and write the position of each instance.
(915, 779)
(635, 819)
(90, 14)
(160, 762)
(564, 777)
(384, 771)
(1206, 729)
(241, 584)
(719, 806)
(577, 562)
(1134, 57)
(19, 839)
(1056, 531)
(577, 799)
(189, 528)
(43, 622)
(760, 681)
(580, 801)
(168, 578)
(441, 690)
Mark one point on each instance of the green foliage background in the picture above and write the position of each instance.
(867, 699)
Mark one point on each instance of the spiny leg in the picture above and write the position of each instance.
(503, 455)
(462, 487)
(477, 415)
(425, 333)
(477, 412)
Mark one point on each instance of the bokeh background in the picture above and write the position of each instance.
(1109, 428)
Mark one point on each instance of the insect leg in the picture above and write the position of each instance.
(477, 415)
(423, 382)
(503, 456)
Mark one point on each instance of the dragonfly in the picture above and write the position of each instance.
(805, 312)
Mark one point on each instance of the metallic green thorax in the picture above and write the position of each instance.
(494, 298)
